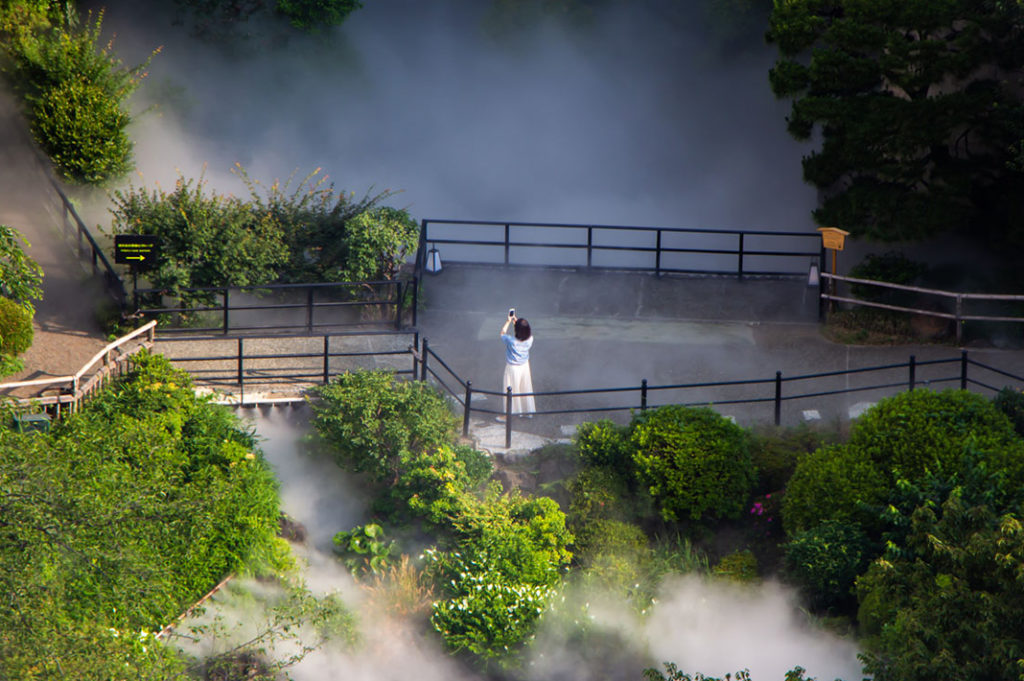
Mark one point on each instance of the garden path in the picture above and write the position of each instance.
(67, 334)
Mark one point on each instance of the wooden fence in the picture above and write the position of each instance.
(958, 315)
(71, 390)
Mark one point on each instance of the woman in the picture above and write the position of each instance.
(517, 365)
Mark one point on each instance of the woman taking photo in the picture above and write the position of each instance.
(517, 364)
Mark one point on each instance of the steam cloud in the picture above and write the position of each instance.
(628, 120)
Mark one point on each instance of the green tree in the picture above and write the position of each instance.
(916, 108)
(694, 462)
(949, 603)
(21, 278)
(311, 15)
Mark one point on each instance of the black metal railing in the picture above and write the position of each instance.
(88, 248)
(243, 366)
(661, 250)
(305, 308)
(776, 391)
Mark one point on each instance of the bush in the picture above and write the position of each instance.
(922, 431)
(311, 15)
(374, 422)
(775, 453)
(826, 561)
(21, 278)
(364, 550)
(1011, 403)
(738, 566)
(598, 493)
(833, 483)
(603, 537)
(76, 91)
(15, 328)
(604, 443)
(694, 462)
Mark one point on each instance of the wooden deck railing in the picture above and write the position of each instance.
(111, 361)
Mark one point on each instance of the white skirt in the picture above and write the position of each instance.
(517, 377)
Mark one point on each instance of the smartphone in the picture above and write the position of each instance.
(511, 312)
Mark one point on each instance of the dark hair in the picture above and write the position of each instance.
(522, 329)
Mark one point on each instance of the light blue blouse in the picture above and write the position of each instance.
(516, 351)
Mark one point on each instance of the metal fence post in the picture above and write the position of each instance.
(963, 370)
(241, 355)
(643, 395)
(415, 298)
(423, 360)
(508, 229)
(327, 359)
(739, 263)
(913, 371)
(466, 408)
(508, 417)
(657, 255)
(778, 398)
(309, 309)
(226, 307)
(590, 246)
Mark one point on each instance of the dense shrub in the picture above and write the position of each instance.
(602, 537)
(76, 90)
(119, 518)
(1011, 403)
(205, 239)
(826, 560)
(373, 422)
(833, 483)
(694, 462)
(598, 493)
(21, 278)
(15, 328)
(925, 431)
(775, 453)
(604, 443)
(364, 549)
(314, 14)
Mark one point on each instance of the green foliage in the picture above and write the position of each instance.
(15, 328)
(1011, 403)
(604, 443)
(434, 483)
(826, 561)
(893, 87)
(376, 243)
(486, 613)
(834, 483)
(479, 466)
(775, 453)
(76, 90)
(948, 603)
(738, 566)
(694, 462)
(892, 267)
(375, 423)
(603, 537)
(205, 240)
(313, 14)
(364, 550)
(917, 431)
(118, 519)
(907, 436)
(673, 673)
(598, 493)
(21, 278)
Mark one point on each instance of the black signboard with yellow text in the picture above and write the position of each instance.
(137, 250)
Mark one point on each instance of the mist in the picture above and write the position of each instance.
(628, 118)
(702, 625)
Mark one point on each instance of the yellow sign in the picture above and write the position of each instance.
(832, 237)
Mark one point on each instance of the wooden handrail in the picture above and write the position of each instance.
(918, 289)
(75, 378)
